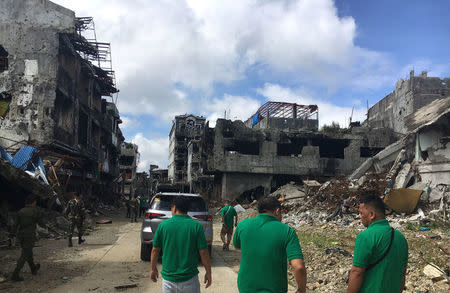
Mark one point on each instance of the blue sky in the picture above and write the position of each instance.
(208, 57)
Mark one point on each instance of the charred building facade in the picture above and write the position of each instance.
(57, 93)
(184, 129)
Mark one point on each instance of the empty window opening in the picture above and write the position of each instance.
(331, 148)
(244, 147)
(3, 59)
(64, 112)
(95, 135)
(126, 160)
(226, 132)
(293, 148)
(82, 129)
(366, 152)
(195, 148)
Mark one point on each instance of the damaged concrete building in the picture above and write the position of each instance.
(129, 159)
(422, 154)
(184, 129)
(282, 144)
(409, 96)
(57, 89)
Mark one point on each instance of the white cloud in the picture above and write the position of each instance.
(129, 123)
(328, 112)
(236, 108)
(152, 151)
(161, 46)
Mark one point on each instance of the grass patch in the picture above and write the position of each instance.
(322, 239)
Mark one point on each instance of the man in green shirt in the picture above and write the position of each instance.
(181, 239)
(266, 245)
(381, 252)
(228, 214)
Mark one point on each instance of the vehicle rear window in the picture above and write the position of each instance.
(163, 203)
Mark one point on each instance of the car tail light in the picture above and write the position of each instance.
(204, 217)
(153, 215)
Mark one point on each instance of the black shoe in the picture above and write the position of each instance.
(16, 278)
(36, 269)
(70, 242)
(224, 247)
(80, 240)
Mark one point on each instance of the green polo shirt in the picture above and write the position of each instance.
(266, 244)
(370, 245)
(180, 238)
(229, 213)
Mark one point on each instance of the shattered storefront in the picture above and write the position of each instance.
(55, 84)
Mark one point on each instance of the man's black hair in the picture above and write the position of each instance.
(370, 198)
(268, 204)
(181, 203)
(31, 198)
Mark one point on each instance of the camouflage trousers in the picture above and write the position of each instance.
(75, 223)
(27, 244)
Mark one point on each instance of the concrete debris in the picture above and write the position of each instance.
(434, 272)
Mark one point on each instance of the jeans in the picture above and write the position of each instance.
(190, 286)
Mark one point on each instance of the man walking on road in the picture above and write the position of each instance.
(76, 213)
(181, 240)
(25, 227)
(266, 244)
(228, 214)
(381, 252)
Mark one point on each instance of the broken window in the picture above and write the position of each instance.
(293, 148)
(64, 111)
(366, 152)
(126, 160)
(3, 59)
(95, 135)
(195, 148)
(331, 148)
(82, 128)
(244, 147)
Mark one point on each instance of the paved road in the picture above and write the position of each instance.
(119, 264)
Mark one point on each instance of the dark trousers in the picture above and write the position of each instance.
(134, 213)
(72, 225)
(128, 211)
(26, 255)
(141, 211)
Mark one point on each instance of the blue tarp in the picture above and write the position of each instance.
(255, 119)
(24, 159)
(5, 155)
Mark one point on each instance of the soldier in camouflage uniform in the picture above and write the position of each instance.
(134, 206)
(25, 229)
(75, 212)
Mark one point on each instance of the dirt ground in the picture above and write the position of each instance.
(109, 258)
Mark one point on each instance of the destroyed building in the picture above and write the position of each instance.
(408, 97)
(240, 159)
(129, 159)
(184, 129)
(422, 154)
(142, 184)
(57, 93)
(285, 116)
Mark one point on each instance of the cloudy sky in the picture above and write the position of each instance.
(206, 57)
